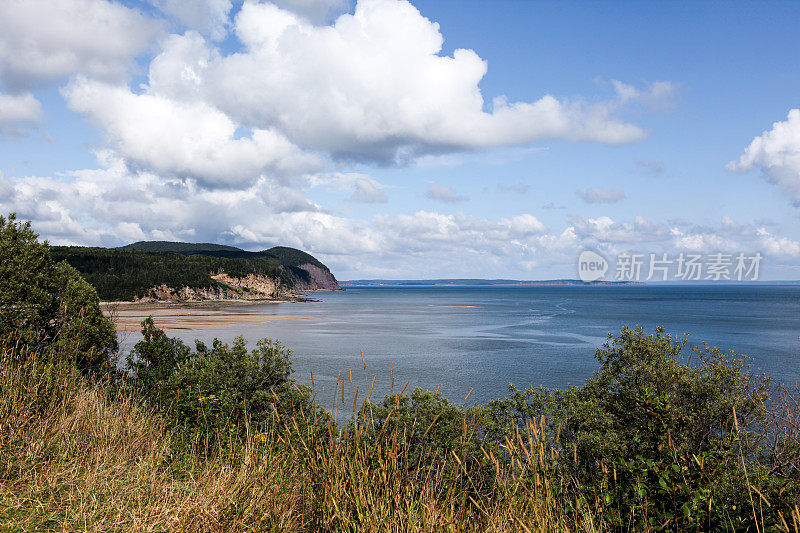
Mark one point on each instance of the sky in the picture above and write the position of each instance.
(396, 140)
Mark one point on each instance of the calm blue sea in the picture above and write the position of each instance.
(484, 338)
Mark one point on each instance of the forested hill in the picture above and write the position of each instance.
(178, 247)
(161, 270)
(285, 255)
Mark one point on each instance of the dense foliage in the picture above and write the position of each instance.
(655, 426)
(287, 256)
(125, 274)
(179, 247)
(294, 257)
(48, 307)
(218, 387)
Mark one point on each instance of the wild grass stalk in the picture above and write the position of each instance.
(81, 454)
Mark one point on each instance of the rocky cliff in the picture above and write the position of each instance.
(315, 279)
(250, 287)
(163, 293)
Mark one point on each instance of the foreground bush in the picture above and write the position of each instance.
(212, 394)
(46, 307)
(663, 440)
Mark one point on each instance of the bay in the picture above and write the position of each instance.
(485, 337)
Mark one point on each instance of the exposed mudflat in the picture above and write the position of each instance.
(176, 316)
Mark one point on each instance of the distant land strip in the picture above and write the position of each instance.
(476, 282)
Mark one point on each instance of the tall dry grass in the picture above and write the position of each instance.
(82, 455)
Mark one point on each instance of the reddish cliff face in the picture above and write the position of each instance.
(319, 279)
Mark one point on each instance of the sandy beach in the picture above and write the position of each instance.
(128, 316)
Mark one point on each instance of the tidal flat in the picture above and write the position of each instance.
(128, 317)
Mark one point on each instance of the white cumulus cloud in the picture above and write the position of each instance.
(42, 40)
(364, 188)
(777, 154)
(373, 86)
(224, 145)
(116, 205)
(184, 139)
(657, 94)
(777, 245)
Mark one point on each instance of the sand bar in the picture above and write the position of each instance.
(173, 316)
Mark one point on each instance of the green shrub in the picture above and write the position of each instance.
(46, 306)
(250, 386)
(652, 425)
(210, 393)
(155, 358)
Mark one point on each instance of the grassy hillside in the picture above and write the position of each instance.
(171, 447)
(129, 272)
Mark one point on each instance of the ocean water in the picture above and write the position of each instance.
(483, 338)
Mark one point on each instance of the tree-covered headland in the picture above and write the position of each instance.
(130, 272)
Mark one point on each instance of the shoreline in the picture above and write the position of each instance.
(171, 316)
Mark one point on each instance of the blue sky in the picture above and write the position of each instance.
(342, 129)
